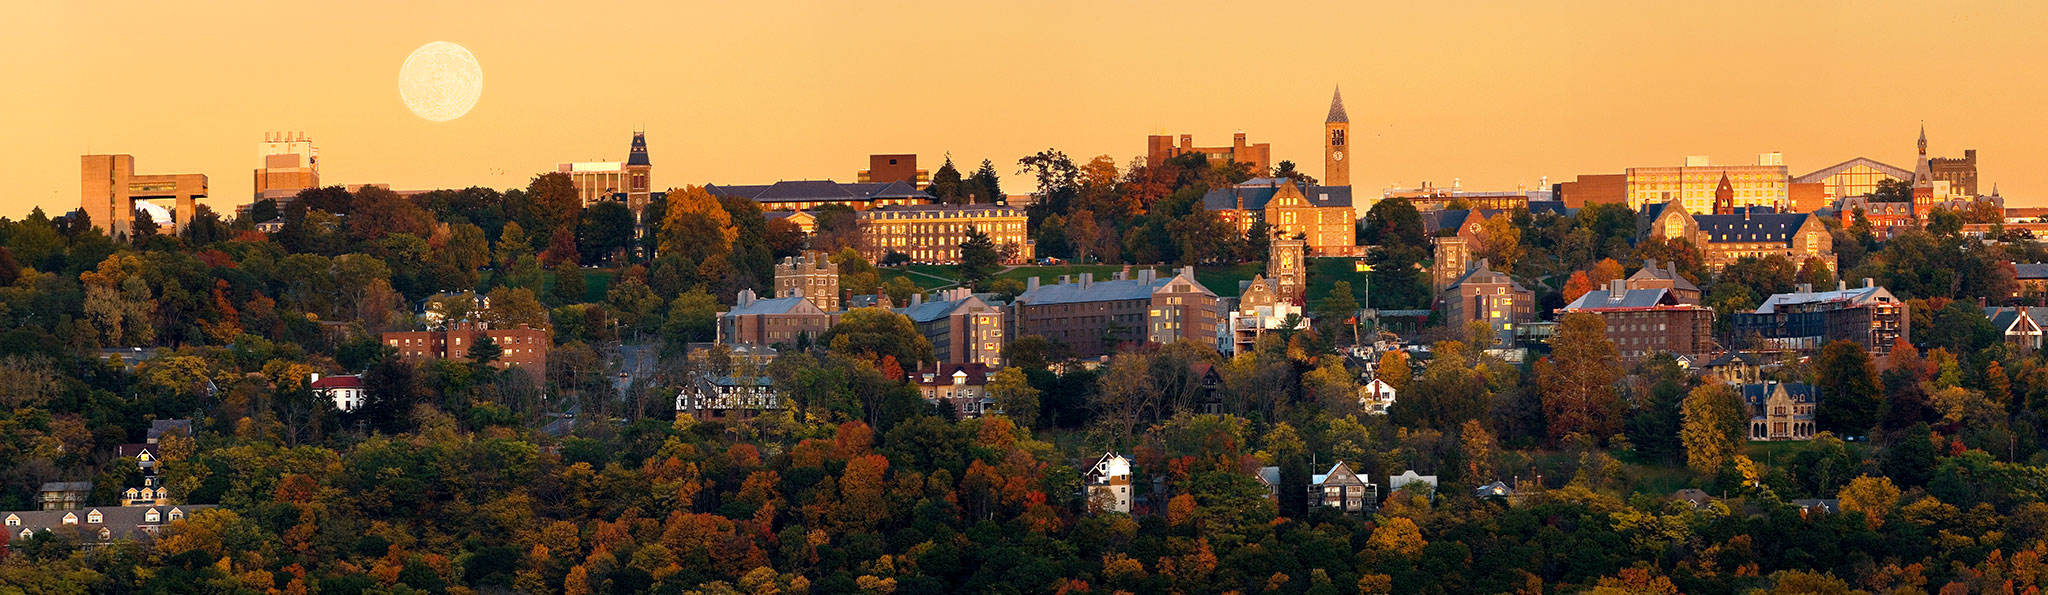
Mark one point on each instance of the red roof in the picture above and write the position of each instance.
(339, 382)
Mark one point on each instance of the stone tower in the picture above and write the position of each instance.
(639, 177)
(1336, 143)
(1724, 197)
(809, 275)
(1287, 271)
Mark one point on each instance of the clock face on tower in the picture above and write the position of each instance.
(1337, 155)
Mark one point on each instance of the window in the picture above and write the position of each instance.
(152, 516)
(13, 521)
(70, 518)
(177, 515)
(95, 518)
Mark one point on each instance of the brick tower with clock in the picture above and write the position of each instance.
(1337, 143)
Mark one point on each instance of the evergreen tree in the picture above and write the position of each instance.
(946, 182)
(1910, 458)
(485, 350)
(569, 285)
(978, 258)
(1849, 395)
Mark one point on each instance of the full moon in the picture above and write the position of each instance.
(440, 81)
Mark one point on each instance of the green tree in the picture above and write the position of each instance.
(692, 318)
(978, 258)
(855, 274)
(606, 231)
(569, 285)
(485, 350)
(1849, 393)
(1910, 459)
(1713, 431)
(1015, 395)
(946, 182)
(1334, 312)
(552, 203)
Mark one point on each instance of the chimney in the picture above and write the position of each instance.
(315, 378)
(1031, 284)
(1842, 285)
(1673, 267)
(917, 299)
(1651, 263)
(1147, 276)
(1087, 279)
(1189, 271)
(1065, 279)
(1616, 289)
(1805, 288)
(1869, 283)
(746, 296)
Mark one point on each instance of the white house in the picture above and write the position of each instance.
(346, 392)
(1377, 396)
(1410, 476)
(1109, 484)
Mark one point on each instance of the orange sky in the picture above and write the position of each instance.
(1496, 93)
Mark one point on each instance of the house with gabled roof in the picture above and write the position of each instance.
(95, 526)
(1107, 484)
(775, 321)
(2016, 324)
(1343, 490)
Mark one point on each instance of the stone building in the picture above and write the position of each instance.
(1645, 322)
(962, 328)
(1724, 238)
(809, 275)
(779, 322)
(1780, 411)
(109, 189)
(1159, 148)
(933, 234)
(1485, 294)
(1320, 215)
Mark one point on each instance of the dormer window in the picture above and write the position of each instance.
(13, 521)
(70, 518)
(131, 493)
(106, 534)
(25, 534)
(152, 516)
(95, 518)
(177, 515)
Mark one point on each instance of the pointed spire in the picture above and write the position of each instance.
(638, 155)
(1923, 138)
(1337, 108)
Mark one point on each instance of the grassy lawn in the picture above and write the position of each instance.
(1224, 279)
(1323, 273)
(595, 283)
(923, 281)
(1051, 275)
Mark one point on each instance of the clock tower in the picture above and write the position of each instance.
(1337, 144)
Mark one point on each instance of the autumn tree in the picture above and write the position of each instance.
(696, 226)
(1502, 243)
(552, 203)
(1713, 431)
(1579, 284)
(1875, 497)
(1015, 395)
(875, 333)
(1578, 379)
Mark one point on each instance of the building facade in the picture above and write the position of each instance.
(1645, 322)
(962, 328)
(933, 233)
(1107, 484)
(1723, 239)
(727, 398)
(894, 168)
(109, 189)
(1343, 490)
(1805, 321)
(522, 348)
(1483, 294)
(345, 392)
(809, 275)
(96, 526)
(1855, 177)
(775, 322)
(1665, 277)
(1765, 183)
(964, 387)
(291, 164)
(1320, 215)
(1780, 411)
(1159, 148)
(1094, 317)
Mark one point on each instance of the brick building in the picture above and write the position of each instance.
(1485, 294)
(1322, 215)
(1666, 277)
(1094, 317)
(963, 386)
(1752, 232)
(784, 321)
(1644, 322)
(523, 348)
(1159, 148)
(894, 168)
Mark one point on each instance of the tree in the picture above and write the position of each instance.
(1910, 459)
(1713, 431)
(1394, 368)
(1334, 313)
(1875, 497)
(978, 258)
(606, 231)
(485, 350)
(946, 182)
(692, 317)
(513, 307)
(569, 285)
(1288, 170)
(1015, 395)
(872, 334)
(696, 226)
(855, 274)
(1578, 379)
(1479, 449)
(552, 203)
(1577, 286)
(985, 178)
(1849, 394)
(1502, 241)
(561, 249)
(899, 289)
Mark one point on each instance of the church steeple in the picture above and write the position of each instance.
(1337, 108)
(1724, 197)
(1336, 140)
(1923, 140)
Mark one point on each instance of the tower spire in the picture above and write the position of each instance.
(1337, 108)
(1923, 139)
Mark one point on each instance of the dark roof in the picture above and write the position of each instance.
(2030, 270)
(1100, 291)
(2003, 318)
(783, 305)
(1653, 210)
(638, 155)
(134, 451)
(976, 373)
(120, 521)
(1738, 358)
(1630, 299)
(1337, 108)
(1651, 270)
(1551, 206)
(66, 486)
(937, 309)
(1754, 394)
(1750, 228)
(1482, 273)
(158, 428)
(818, 190)
(350, 381)
(1258, 192)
